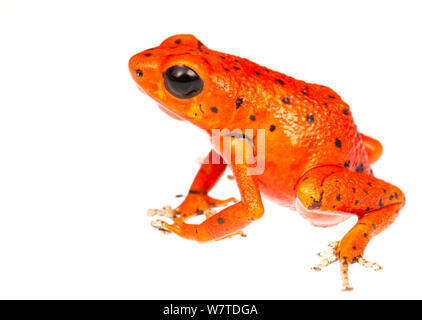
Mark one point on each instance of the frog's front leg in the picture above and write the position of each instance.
(330, 193)
(197, 201)
(234, 218)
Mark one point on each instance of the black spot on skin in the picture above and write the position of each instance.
(369, 184)
(280, 81)
(238, 102)
(374, 227)
(139, 73)
(305, 93)
(317, 203)
(222, 57)
(367, 209)
(338, 143)
(237, 68)
(214, 109)
(380, 203)
(252, 117)
(220, 220)
(338, 197)
(331, 97)
(346, 164)
(170, 55)
(199, 211)
(177, 41)
(200, 44)
(383, 190)
(354, 247)
(286, 100)
(239, 136)
(256, 72)
(358, 136)
(326, 104)
(365, 191)
(391, 197)
(266, 70)
(371, 172)
(346, 111)
(359, 167)
(306, 178)
(272, 127)
(193, 191)
(235, 60)
(395, 194)
(354, 190)
(310, 118)
(148, 54)
(365, 235)
(356, 202)
(226, 69)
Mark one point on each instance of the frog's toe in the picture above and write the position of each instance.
(161, 226)
(330, 256)
(369, 264)
(344, 269)
(166, 211)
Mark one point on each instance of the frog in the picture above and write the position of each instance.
(315, 160)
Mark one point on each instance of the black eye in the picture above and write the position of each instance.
(182, 82)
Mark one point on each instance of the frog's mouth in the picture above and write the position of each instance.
(171, 113)
(166, 110)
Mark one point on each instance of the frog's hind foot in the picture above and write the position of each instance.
(344, 270)
(332, 255)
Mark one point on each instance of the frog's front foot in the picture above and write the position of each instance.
(334, 253)
(166, 211)
(181, 228)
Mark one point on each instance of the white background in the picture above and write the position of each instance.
(83, 154)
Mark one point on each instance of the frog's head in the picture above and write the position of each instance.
(189, 81)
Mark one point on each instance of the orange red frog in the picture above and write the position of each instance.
(316, 160)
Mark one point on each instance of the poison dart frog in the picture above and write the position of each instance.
(315, 160)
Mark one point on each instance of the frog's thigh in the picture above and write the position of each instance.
(336, 191)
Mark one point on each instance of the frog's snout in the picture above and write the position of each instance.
(135, 68)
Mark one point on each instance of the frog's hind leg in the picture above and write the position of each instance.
(334, 190)
(373, 147)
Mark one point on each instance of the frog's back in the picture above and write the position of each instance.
(307, 125)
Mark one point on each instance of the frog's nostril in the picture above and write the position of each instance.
(139, 73)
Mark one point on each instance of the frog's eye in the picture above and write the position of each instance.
(182, 82)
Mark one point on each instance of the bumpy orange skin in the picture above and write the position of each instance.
(301, 144)
(316, 161)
